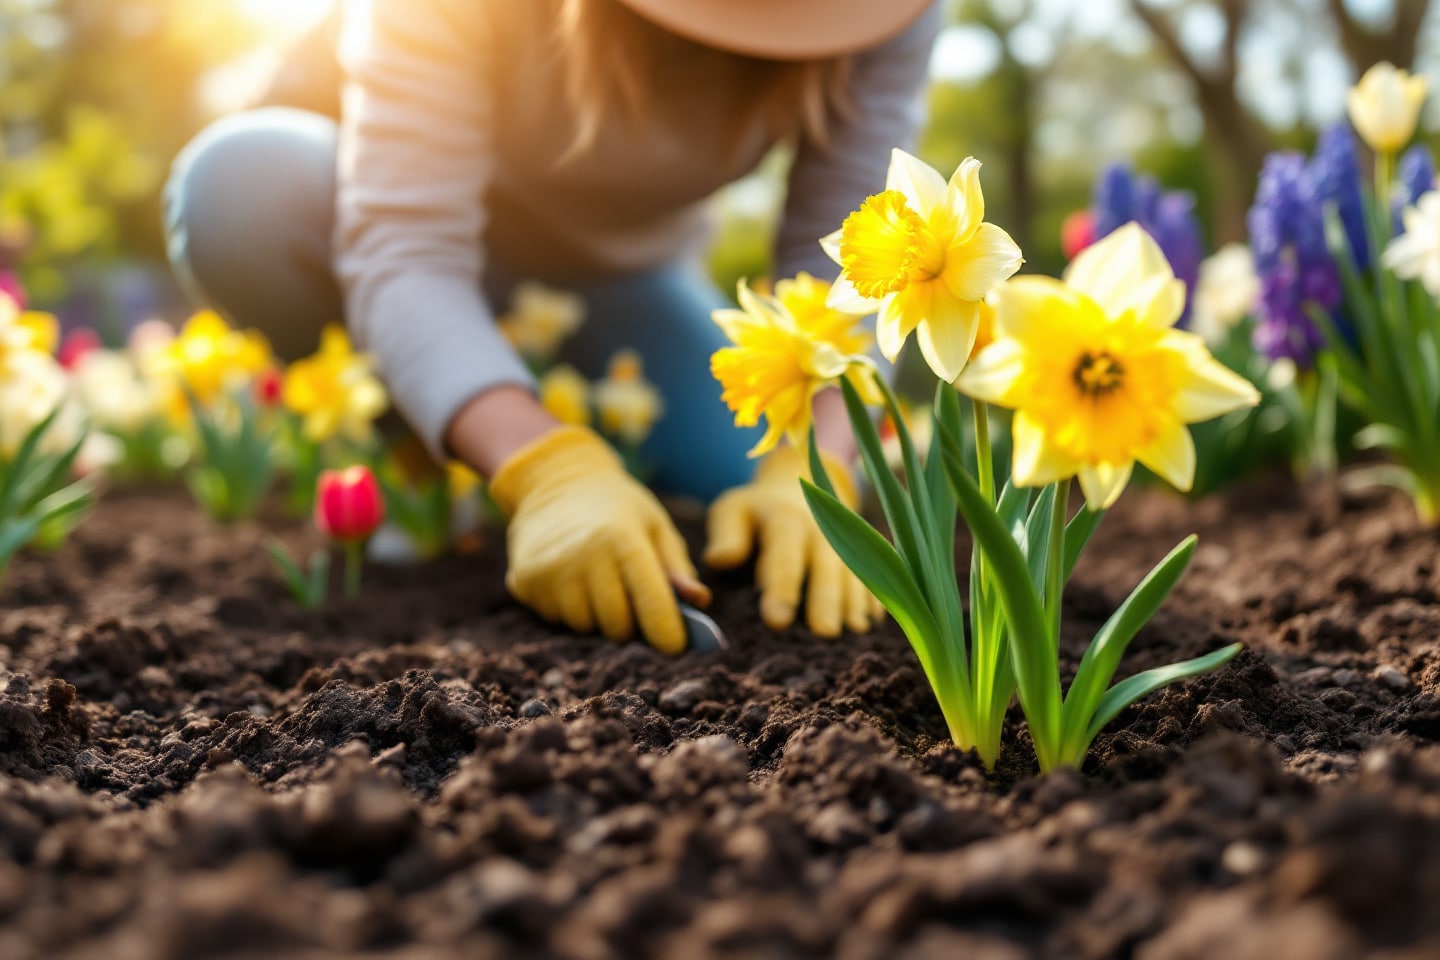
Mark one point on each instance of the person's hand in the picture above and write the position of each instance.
(793, 552)
(589, 545)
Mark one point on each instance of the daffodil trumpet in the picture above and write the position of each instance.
(36, 489)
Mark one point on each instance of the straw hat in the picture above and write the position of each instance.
(783, 29)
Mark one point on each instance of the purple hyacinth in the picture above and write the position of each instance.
(1335, 170)
(1416, 174)
(1167, 215)
(1287, 236)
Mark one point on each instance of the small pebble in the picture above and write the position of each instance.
(1345, 676)
(554, 677)
(683, 695)
(1391, 676)
(533, 708)
(1315, 675)
(1242, 858)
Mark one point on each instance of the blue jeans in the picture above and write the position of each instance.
(249, 211)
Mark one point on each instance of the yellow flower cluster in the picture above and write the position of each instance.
(1097, 374)
(626, 405)
(335, 392)
(32, 383)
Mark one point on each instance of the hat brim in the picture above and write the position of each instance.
(783, 29)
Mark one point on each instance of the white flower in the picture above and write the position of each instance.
(1226, 293)
(1415, 254)
(34, 385)
(109, 387)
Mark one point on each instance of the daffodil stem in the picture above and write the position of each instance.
(984, 455)
(1055, 559)
(354, 555)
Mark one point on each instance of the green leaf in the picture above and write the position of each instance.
(818, 474)
(20, 464)
(1102, 658)
(1037, 674)
(1143, 684)
(14, 535)
(874, 560)
(1078, 532)
(1037, 535)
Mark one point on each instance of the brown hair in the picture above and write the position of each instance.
(618, 63)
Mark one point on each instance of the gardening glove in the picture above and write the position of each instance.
(793, 552)
(589, 545)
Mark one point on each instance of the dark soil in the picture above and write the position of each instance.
(190, 767)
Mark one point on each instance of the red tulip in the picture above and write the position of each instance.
(269, 387)
(77, 343)
(348, 505)
(1076, 233)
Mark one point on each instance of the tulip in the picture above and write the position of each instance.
(348, 508)
(1385, 107)
(1076, 233)
(269, 388)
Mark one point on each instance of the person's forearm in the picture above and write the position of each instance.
(495, 424)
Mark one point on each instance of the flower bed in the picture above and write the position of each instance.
(190, 765)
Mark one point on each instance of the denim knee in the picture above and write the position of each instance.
(249, 210)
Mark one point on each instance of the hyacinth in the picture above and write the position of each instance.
(1414, 177)
(1335, 169)
(1122, 196)
(1287, 236)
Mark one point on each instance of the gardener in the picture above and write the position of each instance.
(573, 142)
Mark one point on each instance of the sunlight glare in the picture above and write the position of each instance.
(285, 18)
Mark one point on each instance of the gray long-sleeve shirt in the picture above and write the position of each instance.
(455, 126)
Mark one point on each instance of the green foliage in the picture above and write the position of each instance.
(308, 587)
(234, 466)
(36, 492)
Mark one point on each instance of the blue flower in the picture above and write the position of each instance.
(1287, 236)
(1335, 170)
(1122, 196)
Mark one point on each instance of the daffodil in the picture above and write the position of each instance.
(807, 299)
(1097, 375)
(33, 387)
(1385, 107)
(23, 331)
(109, 387)
(208, 360)
(776, 367)
(540, 319)
(627, 403)
(1226, 293)
(565, 394)
(334, 391)
(922, 256)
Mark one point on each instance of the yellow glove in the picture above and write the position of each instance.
(589, 545)
(772, 510)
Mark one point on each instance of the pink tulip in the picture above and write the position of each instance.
(10, 287)
(1076, 233)
(77, 344)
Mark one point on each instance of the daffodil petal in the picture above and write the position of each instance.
(830, 243)
(947, 334)
(921, 185)
(1036, 461)
(965, 198)
(980, 264)
(1103, 483)
(1209, 389)
(1115, 270)
(993, 375)
(844, 297)
(1171, 455)
(892, 327)
(1026, 306)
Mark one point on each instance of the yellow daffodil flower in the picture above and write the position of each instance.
(1097, 375)
(208, 358)
(565, 394)
(628, 404)
(540, 319)
(1385, 107)
(33, 386)
(922, 255)
(776, 367)
(807, 299)
(23, 331)
(334, 391)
